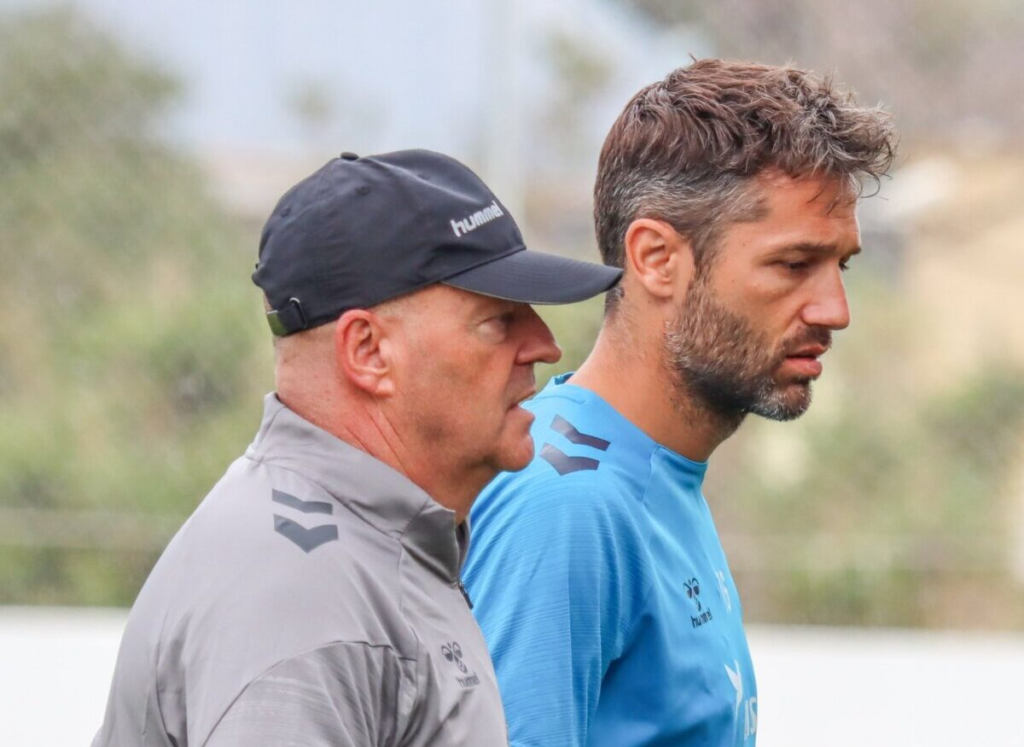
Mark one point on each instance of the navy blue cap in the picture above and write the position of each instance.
(361, 231)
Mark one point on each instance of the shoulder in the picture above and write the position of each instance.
(540, 512)
(582, 471)
(577, 505)
(271, 557)
(574, 517)
(279, 518)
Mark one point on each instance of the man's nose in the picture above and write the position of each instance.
(538, 344)
(828, 306)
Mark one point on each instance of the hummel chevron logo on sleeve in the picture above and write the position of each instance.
(561, 461)
(567, 429)
(306, 507)
(307, 539)
(564, 463)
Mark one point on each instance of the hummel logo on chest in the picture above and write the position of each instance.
(703, 613)
(477, 219)
(453, 653)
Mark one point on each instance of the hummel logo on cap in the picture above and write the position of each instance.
(477, 219)
(363, 230)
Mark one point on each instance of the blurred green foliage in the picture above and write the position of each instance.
(133, 359)
(575, 329)
(889, 503)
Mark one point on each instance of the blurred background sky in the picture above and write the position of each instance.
(142, 145)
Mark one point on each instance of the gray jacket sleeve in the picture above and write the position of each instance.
(340, 695)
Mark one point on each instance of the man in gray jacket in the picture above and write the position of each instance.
(314, 597)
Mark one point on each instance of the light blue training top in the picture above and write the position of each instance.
(603, 591)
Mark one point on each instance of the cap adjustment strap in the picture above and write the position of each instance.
(288, 319)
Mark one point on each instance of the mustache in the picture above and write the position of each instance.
(811, 336)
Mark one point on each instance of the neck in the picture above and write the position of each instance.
(456, 493)
(631, 376)
(365, 426)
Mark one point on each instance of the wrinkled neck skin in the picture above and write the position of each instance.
(627, 369)
(366, 424)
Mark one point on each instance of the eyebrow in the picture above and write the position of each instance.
(813, 247)
(488, 305)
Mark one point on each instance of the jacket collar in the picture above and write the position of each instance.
(381, 496)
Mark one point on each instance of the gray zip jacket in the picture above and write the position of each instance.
(312, 600)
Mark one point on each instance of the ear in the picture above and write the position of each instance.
(364, 350)
(658, 258)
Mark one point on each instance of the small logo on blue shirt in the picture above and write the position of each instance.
(703, 615)
(693, 591)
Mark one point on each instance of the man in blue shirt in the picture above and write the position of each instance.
(727, 192)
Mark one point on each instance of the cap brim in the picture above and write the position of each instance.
(537, 278)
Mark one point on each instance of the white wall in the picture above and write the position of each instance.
(817, 687)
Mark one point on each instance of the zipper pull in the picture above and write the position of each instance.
(465, 594)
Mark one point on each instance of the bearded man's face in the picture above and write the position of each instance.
(732, 366)
(760, 313)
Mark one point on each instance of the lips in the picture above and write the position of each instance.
(804, 361)
(803, 358)
(525, 396)
(809, 351)
(804, 365)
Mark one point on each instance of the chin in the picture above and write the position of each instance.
(516, 457)
(785, 405)
(517, 451)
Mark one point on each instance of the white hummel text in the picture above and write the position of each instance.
(477, 219)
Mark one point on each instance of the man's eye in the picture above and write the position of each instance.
(844, 265)
(498, 324)
(796, 266)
